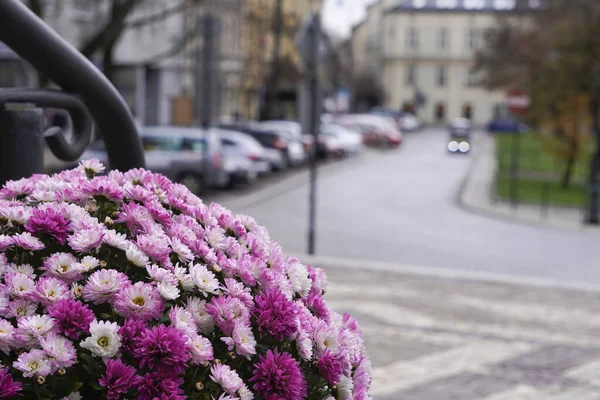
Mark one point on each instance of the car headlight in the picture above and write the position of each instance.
(453, 146)
(464, 147)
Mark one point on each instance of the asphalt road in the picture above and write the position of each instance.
(399, 206)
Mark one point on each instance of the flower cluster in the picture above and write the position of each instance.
(126, 285)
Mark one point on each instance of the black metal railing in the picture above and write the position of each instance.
(85, 87)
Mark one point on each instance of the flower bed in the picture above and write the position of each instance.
(128, 286)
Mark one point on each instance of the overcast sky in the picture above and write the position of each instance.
(340, 15)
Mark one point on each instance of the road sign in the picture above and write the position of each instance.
(518, 101)
(303, 40)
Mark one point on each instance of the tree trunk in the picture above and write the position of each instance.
(267, 110)
(572, 157)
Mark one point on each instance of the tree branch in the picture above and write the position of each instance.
(119, 12)
(159, 16)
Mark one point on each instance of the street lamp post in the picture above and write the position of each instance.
(593, 216)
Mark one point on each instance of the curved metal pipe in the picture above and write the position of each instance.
(46, 51)
(82, 122)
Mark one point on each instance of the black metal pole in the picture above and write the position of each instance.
(21, 141)
(315, 124)
(514, 170)
(593, 216)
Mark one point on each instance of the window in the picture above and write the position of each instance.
(194, 145)
(161, 143)
(444, 38)
(472, 39)
(441, 75)
(474, 4)
(412, 38)
(504, 4)
(450, 4)
(411, 75)
(471, 77)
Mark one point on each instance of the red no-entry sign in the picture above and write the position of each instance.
(518, 101)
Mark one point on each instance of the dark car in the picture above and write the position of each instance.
(506, 125)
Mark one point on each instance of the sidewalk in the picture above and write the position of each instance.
(476, 195)
(439, 338)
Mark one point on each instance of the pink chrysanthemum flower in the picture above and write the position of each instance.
(28, 242)
(277, 376)
(20, 308)
(242, 340)
(92, 166)
(275, 314)
(225, 377)
(118, 378)
(201, 350)
(330, 367)
(103, 186)
(8, 386)
(164, 348)
(33, 363)
(102, 285)
(31, 329)
(6, 336)
(16, 189)
(64, 266)
(86, 240)
(59, 350)
(72, 317)
(48, 222)
(51, 290)
(140, 300)
(227, 312)
(19, 285)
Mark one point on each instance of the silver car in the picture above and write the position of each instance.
(190, 156)
(293, 132)
(243, 157)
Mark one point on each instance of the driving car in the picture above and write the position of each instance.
(243, 157)
(460, 135)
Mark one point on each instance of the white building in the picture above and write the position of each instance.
(426, 48)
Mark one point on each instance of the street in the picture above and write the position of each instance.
(399, 206)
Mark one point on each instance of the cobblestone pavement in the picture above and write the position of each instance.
(435, 338)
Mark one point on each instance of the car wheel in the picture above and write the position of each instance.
(194, 182)
(285, 162)
(252, 177)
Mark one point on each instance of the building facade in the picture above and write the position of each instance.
(425, 54)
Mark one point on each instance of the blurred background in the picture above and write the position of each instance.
(455, 202)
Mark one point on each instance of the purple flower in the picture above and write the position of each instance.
(239, 291)
(49, 222)
(160, 385)
(330, 367)
(275, 314)
(8, 387)
(135, 217)
(72, 317)
(163, 347)
(156, 246)
(103, 186)
(158, 212)
(277, 376)
(118, 378)
(131, 332)
(140, 300)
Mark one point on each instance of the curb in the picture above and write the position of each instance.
(487, 211)
(328, 262)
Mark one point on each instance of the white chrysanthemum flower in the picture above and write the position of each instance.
(116, 240)
(89, 263)
(168, 290)
(25, 269)
(205, 280)
(215, 238)
(17, 215)
(325, 338)
(304, 345)
(104, 340)
(204, 320)
(183, 321)
(344, 388)
(185, 279)
(245, 393)
(299, 279)
(136, 256)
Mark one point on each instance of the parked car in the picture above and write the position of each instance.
(297, 146)
(377, 130)
(405, 121)
(506, 125)
(275, 144)
(190, 156)
(349, 141)
(243, 157)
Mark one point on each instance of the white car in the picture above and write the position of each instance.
(350, 142)
(293, 132)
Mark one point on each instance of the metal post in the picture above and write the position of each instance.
(514, 170)
(21, 141)
(315, 124)
(593, 216)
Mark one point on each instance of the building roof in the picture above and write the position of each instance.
(466, 5)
